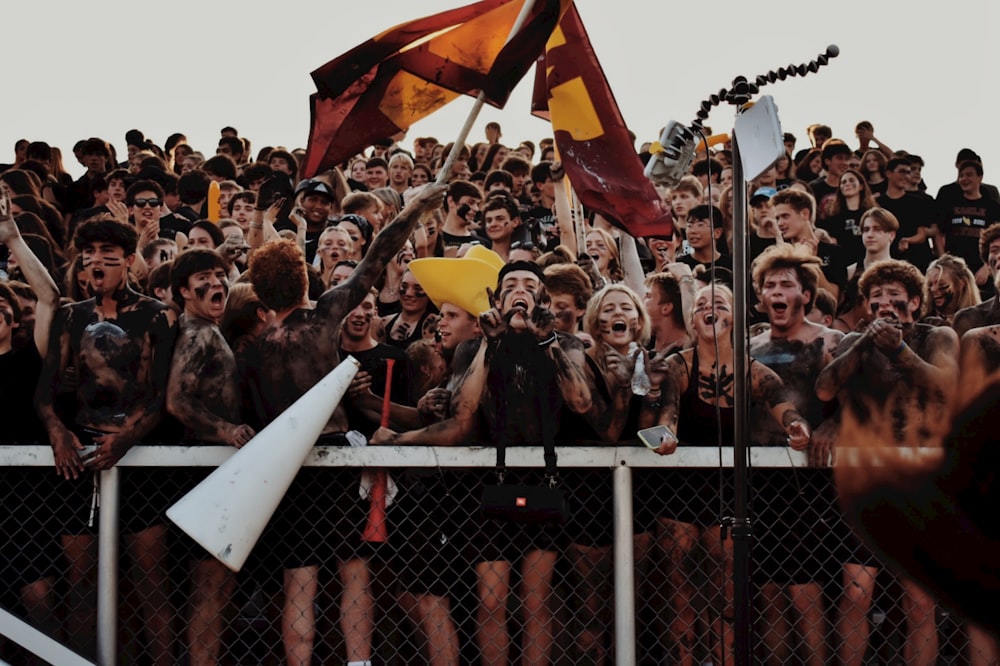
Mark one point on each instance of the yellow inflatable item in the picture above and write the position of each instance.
(461, 281)
(213, 201)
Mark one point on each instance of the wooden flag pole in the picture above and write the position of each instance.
(477, 106)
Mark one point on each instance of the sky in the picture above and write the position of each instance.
(922, 73)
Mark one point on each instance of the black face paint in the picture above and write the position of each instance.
(898, 306)
(7, 317)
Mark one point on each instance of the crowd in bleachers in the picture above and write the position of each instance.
(167, 298)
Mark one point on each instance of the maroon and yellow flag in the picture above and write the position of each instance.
(394, 79)
(590, 134)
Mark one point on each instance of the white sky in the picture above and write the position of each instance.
(923, 72)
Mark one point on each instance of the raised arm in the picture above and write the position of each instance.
(564, 216)
(340, 300)
(34, 271)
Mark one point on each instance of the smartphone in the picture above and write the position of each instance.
(656, 436)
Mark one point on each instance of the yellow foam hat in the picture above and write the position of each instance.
(461, 281)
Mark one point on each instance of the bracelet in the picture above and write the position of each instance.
(686, 279)
(256, 226)
(548, 341)
(894, 354)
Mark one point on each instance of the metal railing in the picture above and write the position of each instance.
(619, 461)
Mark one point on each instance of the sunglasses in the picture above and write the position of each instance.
(152, 203)
(523, 245)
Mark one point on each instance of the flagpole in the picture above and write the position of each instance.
(477, 106)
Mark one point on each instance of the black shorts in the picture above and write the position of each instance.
(29, 549)
(591, 499)
(491, 540)
(145, 494)
(426, 532)
(320, 518)
(794, 526)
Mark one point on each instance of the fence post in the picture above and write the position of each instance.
(107, 569)
(624, 567)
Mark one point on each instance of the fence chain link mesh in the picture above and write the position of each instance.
(436, 591)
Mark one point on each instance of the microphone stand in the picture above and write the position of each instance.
(742, 530)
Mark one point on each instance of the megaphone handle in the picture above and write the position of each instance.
(376, 530)
(387, 396)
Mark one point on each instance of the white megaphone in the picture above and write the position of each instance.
(227, 512)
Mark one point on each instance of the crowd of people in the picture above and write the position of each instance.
(511, 317)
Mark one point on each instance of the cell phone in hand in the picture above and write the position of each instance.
(657, 436)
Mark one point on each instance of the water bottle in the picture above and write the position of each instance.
(640, 380)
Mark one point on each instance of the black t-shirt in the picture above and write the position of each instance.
(845, 228)
(822, 192)
(373, 362)
(451, 240)
(174, 223)
(723, 261)
(20, 369)
(954, 190)
(962, 222)
(834, 264)
(541, 221)
(913, 212)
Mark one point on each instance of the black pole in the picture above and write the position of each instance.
(742, 529)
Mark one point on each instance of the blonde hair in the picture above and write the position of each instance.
(594, 309)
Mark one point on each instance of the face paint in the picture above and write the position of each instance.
(7, 317)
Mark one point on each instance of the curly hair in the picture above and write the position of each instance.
(278, 274)
(894, 270)
(987, 236)
(793, 257)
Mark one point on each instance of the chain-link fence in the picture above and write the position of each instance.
(450, 586)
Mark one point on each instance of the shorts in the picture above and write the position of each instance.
(29, 549)
(145, 494)
(425, 532)
(320, 518)
(491, 540)
(591, 499)
(794, 526)
(690, 495)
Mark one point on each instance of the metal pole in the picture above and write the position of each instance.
(107, 569)
(742, 530)
(445, 170)
(624, 568)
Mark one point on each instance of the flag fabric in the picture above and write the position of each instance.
(394, 79)
(590, 134)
